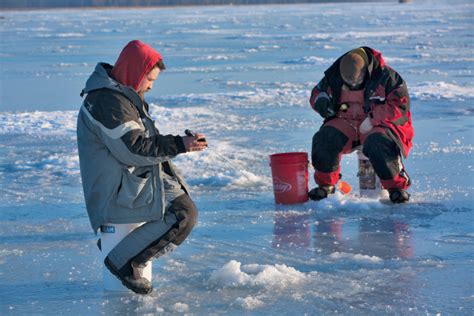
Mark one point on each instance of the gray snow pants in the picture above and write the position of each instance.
(153, 239)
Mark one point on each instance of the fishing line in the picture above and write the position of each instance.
(230, 163)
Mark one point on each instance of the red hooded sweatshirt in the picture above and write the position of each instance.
(134, 62)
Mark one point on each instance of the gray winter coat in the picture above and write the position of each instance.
(122, 155)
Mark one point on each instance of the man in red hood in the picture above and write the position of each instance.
(126, 168)
(364, 103)
(138, 66)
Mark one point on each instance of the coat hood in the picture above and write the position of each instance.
(100, 78)
(134, 62)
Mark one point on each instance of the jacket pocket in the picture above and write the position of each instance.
(135, 191)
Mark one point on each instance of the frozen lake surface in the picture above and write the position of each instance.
(242, 75)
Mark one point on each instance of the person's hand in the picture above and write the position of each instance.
(197, 142)
(324, 105)
(366, 126)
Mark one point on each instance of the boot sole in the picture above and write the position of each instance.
(128, 285)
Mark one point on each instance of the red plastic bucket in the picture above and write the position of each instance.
(290, 177)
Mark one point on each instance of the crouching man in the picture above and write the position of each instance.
(126, 169)
(364, 103)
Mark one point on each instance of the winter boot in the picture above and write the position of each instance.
(131, 277)
(321, 192)
(398, 195)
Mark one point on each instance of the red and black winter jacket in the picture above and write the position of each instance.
(386, 98)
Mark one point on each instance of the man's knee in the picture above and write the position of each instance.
(379, 144)
(328, 144)
(185, 211)
(191, 215)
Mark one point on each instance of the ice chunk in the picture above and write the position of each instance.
(233, 274)
(249, 302)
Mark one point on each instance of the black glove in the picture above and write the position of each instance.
(324, 105)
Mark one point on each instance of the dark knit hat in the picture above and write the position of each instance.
(353, 65)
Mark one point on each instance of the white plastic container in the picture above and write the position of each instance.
(369, 183)
(111, 235)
